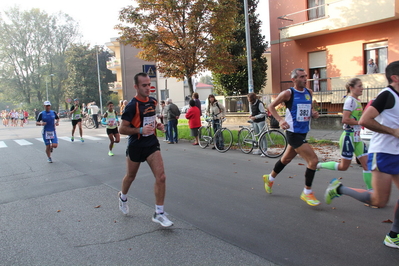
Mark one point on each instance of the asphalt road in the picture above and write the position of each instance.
(66, 213)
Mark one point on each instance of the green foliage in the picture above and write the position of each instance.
(32, 46)
(237, 82)
(206, 80)
(82, 79)
(183, 37)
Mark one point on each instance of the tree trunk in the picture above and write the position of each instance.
(190, 85)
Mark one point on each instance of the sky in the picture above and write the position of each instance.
(97, 18)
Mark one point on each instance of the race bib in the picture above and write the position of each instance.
(304, 112)
(111, 122)
(150, 120)
(49, 134)
(356, 133)
(77, 116)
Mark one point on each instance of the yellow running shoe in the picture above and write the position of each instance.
(310, 199)
(268, 184)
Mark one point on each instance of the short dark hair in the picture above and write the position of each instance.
(252, 97)
(192, 103)
(108, 103)
(195, 95)
(392, 69)
(136, 77)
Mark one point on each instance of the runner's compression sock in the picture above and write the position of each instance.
(328, 165)
(395, 225)
(367, 179)
(309, 176)
(279, 166)
(359, 194)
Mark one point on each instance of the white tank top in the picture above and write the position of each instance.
(389, 117)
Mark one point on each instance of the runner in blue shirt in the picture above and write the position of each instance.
(49, 120)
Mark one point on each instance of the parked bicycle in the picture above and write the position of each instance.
(272, 143)
(88, 121)
(223, 135)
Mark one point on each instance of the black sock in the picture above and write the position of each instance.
(393, 234)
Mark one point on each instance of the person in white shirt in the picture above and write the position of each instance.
(94, 112)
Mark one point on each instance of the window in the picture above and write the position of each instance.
(318, 71)
(378, 51)
(316, 9)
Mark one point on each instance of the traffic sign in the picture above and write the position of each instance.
(152, 89)
(150, 70)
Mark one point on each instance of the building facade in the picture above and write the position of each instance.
(126, 64)
(333, 39)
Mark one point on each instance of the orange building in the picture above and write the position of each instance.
(335, 38)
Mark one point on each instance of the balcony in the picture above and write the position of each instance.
(337, 16)
(114, 64)
(115, 86)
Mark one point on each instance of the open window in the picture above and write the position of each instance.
(318, 71)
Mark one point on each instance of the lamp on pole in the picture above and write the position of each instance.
(51, 75)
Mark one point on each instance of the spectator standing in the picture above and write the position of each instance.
(197, 101)
(371, 67)
(173, 114)
(164, 120)
(257, 115)
(316, 77)
(194, 120)
(217, 111)
(94, 112)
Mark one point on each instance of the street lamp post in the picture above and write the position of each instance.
(99, 81)
(248, 45)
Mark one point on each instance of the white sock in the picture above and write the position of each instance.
(158, 209)
(123, 196)
(307, 191)
(271, 178)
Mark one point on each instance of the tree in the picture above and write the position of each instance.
(184, 37)
(236, 83)
(206, 80)
(31, 48)
(82, 81)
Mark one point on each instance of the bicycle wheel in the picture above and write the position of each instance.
(204, 136)
(89, 123)
(245, 140)
(223, 139)
(273, 143)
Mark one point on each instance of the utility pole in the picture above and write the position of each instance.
(99, 82)
(248, 42)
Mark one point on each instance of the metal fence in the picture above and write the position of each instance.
(326, 102)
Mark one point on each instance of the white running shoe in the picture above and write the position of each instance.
(162, 219)
(123, 204)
